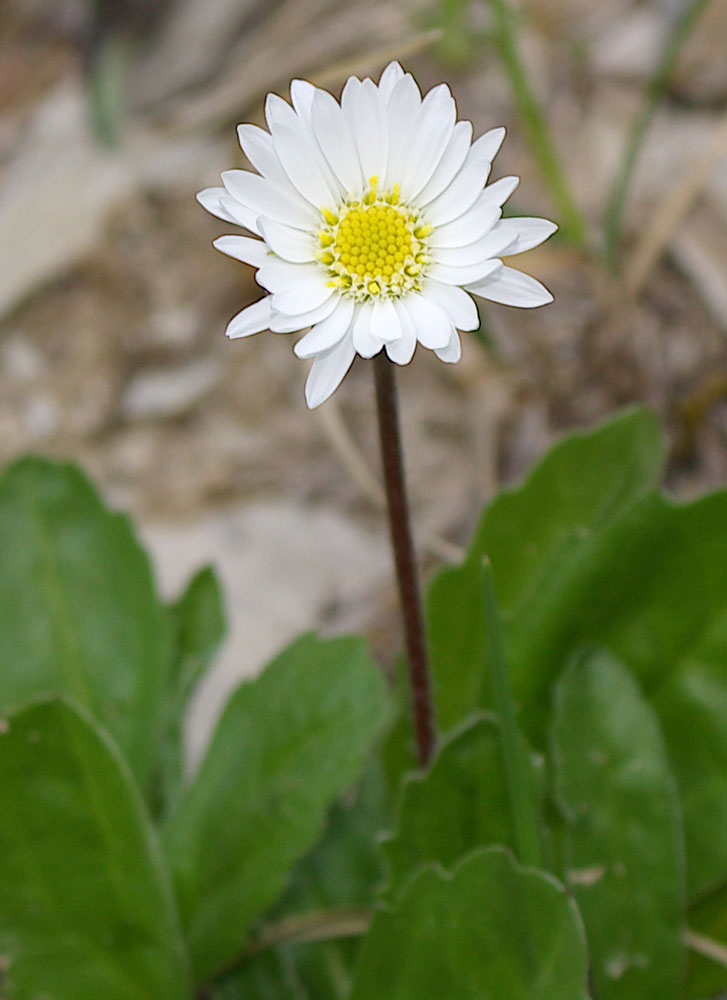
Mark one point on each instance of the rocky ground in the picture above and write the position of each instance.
(113, 303)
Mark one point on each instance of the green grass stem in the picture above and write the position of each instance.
(653, 93)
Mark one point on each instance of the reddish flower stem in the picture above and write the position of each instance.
(404, 558)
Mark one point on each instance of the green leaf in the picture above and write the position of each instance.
(342, 873)
(198, 628)
(692, 705)
(491, 930)
(458, 641)
(286, 746)
(585, 481)
(271, 975)
(461, 803)
(639, 575)
(86, 909)
(78, 611)
(652, 588)
(623, 841)
(534, 536)
(707, 977)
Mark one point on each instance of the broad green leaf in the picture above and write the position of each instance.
(534, 536)
(707, 976)
(692, 705)
(458, 641)
(623, 838)
(78, 611)
(198, 628)
(86, 909)
(461, 803)
(286, 746)
(342, 873)
(585, 481)
(490, 930)
(652, 588)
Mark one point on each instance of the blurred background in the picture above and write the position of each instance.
(113, 303)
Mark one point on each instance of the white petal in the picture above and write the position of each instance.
(278, 275)
(328, 371)
(278, 112)
(385, 325)
(457, 304)
(526, 233)
(243, 248)
(364, 342)
(243, 215)
(402, 114)
(471, 226)
(253, 319)
(462, 275)
(263, 197)
(491, 142)
(349, 96)
(336, 141)
(512, 288)
(452, 352)
(210, 199)
(433, 130)
(492, 244)
(291, 244)
(495, 195)
(402, 351)
(328, 332)
(389, 78)
(371, 130)
(304, 165)
(285, 323)
(257, 145)
(301, 94)
(432, 325)
(301, 298)
(464, 190)
(450, 164)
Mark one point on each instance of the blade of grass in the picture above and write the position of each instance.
(571, 221)
(672, 209)
(653, 93)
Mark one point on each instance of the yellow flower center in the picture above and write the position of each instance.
(373, 247)
(373, 241)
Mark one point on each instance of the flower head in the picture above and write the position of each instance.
(372, 223)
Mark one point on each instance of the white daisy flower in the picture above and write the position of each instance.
(374, 224)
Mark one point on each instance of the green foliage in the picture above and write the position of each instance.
(287, 744)
(535, 537)
(304, 824)
(458, 641)
(705, 976)
(198, 628)
(462, 803)
(532, 534)
(488, 930)
(78, 610)
(86, 909)
(623, 841)
(341, 875)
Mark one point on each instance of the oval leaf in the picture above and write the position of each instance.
(85, 903)
(623, 844)
(78, 611)
(286, 746)
(460, 804)
(489, 931)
